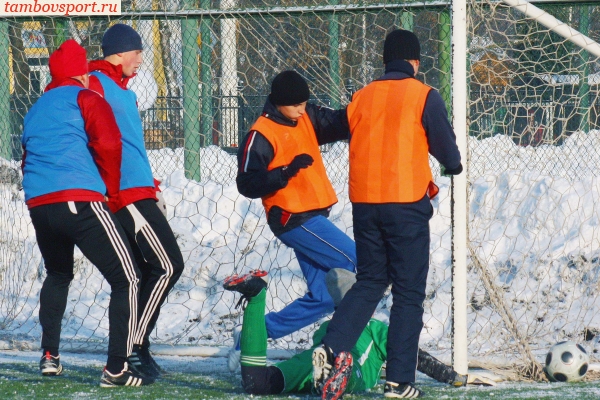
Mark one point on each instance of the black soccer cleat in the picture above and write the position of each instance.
(50, 365)
(401, 391)
(336, 384)
(124, 378)
(141, 361)
(249, 285)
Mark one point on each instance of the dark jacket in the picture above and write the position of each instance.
(440, 135)
(254, 180)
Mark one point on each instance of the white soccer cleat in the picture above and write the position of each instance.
(235, 354)
(321, 368)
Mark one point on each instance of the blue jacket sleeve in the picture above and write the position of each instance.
(440, 135)
(254, 155)
(330, 125)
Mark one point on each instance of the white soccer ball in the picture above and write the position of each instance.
(566, 362)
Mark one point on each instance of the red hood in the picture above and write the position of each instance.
(114, 72)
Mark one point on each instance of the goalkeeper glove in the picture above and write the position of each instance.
(299, 162)
(479, 380)
(471, 379)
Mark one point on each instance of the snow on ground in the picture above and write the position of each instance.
(220, 383)
(533, 226)
(184, 364)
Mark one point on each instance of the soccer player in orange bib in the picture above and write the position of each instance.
(395, 123)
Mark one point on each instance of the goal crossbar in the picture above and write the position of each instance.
(555, 25)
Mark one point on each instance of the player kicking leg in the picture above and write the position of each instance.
(290, 376)
(257, 378)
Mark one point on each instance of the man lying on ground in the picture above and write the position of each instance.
(296, 374)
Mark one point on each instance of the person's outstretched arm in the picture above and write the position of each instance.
(434, 368)
(330, 125)
(440, 135)
(431, 366)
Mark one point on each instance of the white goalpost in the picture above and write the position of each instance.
(459, 188)
(460, 202)
(551, 22)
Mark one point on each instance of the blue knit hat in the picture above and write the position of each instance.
(120, 38)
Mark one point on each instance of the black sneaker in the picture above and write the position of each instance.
(401, 391)
(141, 361)
(50, 366)
(336, 384)
(248, 285)
(322, 361)
(124, 378)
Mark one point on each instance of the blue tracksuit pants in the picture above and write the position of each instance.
(319, 246)
(392, 246)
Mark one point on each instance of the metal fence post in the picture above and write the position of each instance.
(191, 113)
(5, 128)
(241, 104)
(334, 59)
(445, 48)
(206, 120)
(584, 87)
(350, 89)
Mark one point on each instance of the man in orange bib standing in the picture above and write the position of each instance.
(280, 162)
(395, 123)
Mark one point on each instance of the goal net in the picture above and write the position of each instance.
(533, 265)
(533, 160)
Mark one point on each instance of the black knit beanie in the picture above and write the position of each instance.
(401, 45)
(289, 88)
(120, 38)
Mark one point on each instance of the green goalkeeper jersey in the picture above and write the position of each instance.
(368, 356)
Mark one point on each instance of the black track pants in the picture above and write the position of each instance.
(262, 380)
(392, 246)
(95, 231)
(158, 257)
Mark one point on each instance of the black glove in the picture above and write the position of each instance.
(455, 171)
(301, 161)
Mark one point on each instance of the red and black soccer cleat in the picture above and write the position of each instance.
(249, 285)
(335, 386)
